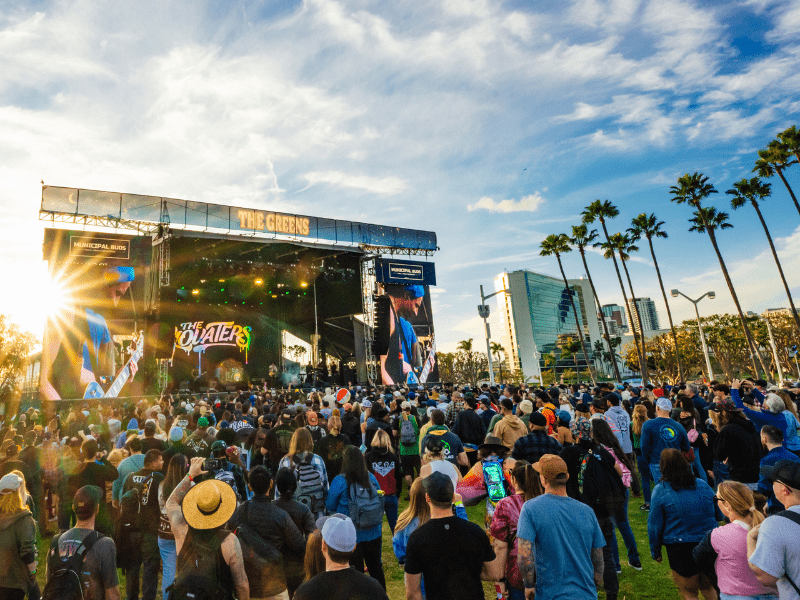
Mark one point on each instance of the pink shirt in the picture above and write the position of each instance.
(733, 573)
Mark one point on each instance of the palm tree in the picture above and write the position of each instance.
(556, 245)
(496, 349)
(650, 227)
(774, 159)
(753, 191)
(692, 190)
(600, 210)
(790, 139)
(582, 237)
(622, 244)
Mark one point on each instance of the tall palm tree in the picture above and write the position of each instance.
(773, 159)
(600, 210)
(582, 237)
(692, 190)
(649, 227)
(790, 139)
(556, 245)
(753, 191)
(497, 348)
(622, 245)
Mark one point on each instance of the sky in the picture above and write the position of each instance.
(492, 123)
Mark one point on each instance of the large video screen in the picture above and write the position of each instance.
(411, 355)
(92, 340)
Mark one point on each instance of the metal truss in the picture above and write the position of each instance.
(396, 251)
(140, 227)
(368, 290)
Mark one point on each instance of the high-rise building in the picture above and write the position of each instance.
(538, 318)
(647, 311)
(591, 320)
(616, 313)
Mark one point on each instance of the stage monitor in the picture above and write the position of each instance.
(91, 338)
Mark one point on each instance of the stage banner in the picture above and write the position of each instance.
(411, 354)
(406, 272)
(93, 343)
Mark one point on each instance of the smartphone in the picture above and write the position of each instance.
(212, 464)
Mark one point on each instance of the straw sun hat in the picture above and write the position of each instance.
(209, 504)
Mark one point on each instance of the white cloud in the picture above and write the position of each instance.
(529, 203)
(382, 186)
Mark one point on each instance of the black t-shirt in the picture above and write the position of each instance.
(429, 551)
(345, 584)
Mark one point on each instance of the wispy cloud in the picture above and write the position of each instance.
(529, 203)
(382, 186)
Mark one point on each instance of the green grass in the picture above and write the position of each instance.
(654, 581)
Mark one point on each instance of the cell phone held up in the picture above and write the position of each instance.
(212, 464)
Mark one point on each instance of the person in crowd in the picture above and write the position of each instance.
(681, 514)
(150, 440)
(659, 434)
(293, 565)
(331, 447)
(406, 431)
(488, 478)
(176, 471)
(537, 443)
(309, 469)
(637, 422)
(208, 556)
(772, 407)
(380, 422)
(313, 560)
(18, 549)
(339, 581)
(559, 540)
(470, 428)
(279, 438)
(738, 444)
(351, 426)
(726, 546)
(509, 428)
(453, 448)
(526, 485)
(416, 513)
(433, 460)
(563, 434)
(487, 410)
(201, 440)
(620, 422)
(344, 488)
(772, 548)
(383, 463)
(275, 527)
(428, 550)
(772, 443)
(130, 465)
(93, 471)
(317, 431)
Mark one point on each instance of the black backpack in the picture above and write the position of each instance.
(599, 482)
(199, 577)
(64, 582)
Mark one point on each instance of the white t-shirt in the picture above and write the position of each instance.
(777, 551)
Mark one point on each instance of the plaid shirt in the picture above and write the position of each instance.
(455, 407)
(316, 462)
(532, 446)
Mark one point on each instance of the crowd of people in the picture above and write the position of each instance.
(265, 494)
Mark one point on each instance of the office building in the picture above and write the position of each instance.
(647, 311)
(616, 313)
(538, 318)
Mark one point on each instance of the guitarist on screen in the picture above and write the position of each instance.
(404, 353)
(79, 342)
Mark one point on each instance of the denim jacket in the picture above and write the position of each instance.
(679, 517)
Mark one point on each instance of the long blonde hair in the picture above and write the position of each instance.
(417, 507)
(639, 417)
(301, 442)
(740, 499)
(334, 425)
(381, 440)
(787, 401)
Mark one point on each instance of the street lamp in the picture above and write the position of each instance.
(483, 313)
(711, 295)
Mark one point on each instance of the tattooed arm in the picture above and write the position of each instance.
(597, 563)
(174, 512)
(526, 560)
(232, 553)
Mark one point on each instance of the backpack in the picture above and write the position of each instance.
(408, 436)
(366, 511)
(598, 480)
(494, 479)
(199, 579)
(130, 505)
(64, 582)
(310, 490)
(227, 477)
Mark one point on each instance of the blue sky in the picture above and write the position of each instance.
(491, 123)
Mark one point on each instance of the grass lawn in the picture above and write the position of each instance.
(654, 581)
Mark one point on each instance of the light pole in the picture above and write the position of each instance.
(483, 312)
(711, 295)
(774, 351)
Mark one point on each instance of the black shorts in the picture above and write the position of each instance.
(680, 559)
(409, 462)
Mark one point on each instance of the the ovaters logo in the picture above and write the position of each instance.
(189, 336)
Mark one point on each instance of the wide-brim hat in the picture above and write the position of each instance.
(493, 444)
(209, 504)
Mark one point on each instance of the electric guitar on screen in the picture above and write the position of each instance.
(430, 362)
(94, 390)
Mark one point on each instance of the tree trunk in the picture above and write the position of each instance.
(642, 366)
(747, 333)
(577, 323)
(778, 263)
(600, 313)
(779, 171)
(669, 312)
(646, 371)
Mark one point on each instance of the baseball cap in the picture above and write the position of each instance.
(552, 468)
(366, 404)
(412, 394)
(726, 404)
(176, 434)
(202, 422)
(439, 487)
(286, 415)
(664, 404)
(339, 533)
(406, 405)
(86, 501)
(785, 471)
(10, 483)
(581, 428)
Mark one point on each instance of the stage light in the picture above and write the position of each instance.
(222, 289)
(259, 281)
(274, 295)
(202, 281)
(287, 293)
(194, 292)
(304, 284)
(222, 281)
